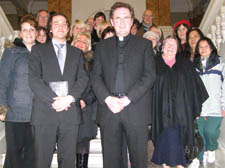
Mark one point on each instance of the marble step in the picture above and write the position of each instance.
(95, 156)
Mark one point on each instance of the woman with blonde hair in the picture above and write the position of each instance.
(88, 129)
(84, 39)
(77, 26)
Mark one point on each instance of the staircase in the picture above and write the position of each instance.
(212, 25)
(95, 156)
(2, 144)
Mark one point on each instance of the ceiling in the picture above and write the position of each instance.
(23, 6)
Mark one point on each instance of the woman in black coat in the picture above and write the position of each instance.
(88, 129)
(177, 98)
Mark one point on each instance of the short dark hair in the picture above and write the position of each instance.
(39, 28)
(51, 18)
(99, 14)
(42, 10)
(121, 5)
(107, 30)
(137, 23)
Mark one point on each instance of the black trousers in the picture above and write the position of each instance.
(124, 150)
(46, 137)
(113, 131)
(19, 145)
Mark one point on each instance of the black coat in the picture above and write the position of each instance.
(139, 74)
(88, 128)
(177, 97)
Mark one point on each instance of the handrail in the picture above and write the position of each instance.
(6, 29)
(210, 15)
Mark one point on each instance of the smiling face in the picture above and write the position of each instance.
(170, 48)
(41, 37)
(59, 28)
(42, 18)
(28, 33)
(193, 39)
(122, 21)
(98, 20)
(77, 29)
(134, 29)
(182, 31)
(148, 17)
(204, 49)
(81, 42)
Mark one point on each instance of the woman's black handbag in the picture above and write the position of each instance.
(192, 151)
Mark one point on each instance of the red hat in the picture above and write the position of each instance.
(181, 22)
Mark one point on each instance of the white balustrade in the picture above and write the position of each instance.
(213, 34)
(217, 30)
(222, 14)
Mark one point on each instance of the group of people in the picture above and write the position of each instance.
(121, 75)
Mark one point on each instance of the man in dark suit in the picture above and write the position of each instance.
(123, 74)
(57, 78)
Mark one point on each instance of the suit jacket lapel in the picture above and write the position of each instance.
(68, 62)
(53, 61)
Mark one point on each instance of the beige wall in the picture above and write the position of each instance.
(82, 9)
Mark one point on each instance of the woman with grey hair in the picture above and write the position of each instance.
(154, 38)
(178, 95)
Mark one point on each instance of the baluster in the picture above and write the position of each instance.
(2, 41)
(218, 32)
(213, 33)
(222, 14)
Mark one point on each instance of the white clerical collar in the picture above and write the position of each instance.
(121, 38)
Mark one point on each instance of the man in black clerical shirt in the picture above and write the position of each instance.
(123, 74)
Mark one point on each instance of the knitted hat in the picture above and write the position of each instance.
(181, 22)
(151, 33)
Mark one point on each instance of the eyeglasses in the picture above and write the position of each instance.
(81, 41)
(43, 17)
(148, 15)
(124, 19)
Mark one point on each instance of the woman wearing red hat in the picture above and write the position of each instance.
(180, 29)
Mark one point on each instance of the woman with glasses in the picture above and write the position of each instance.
(177, 99)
